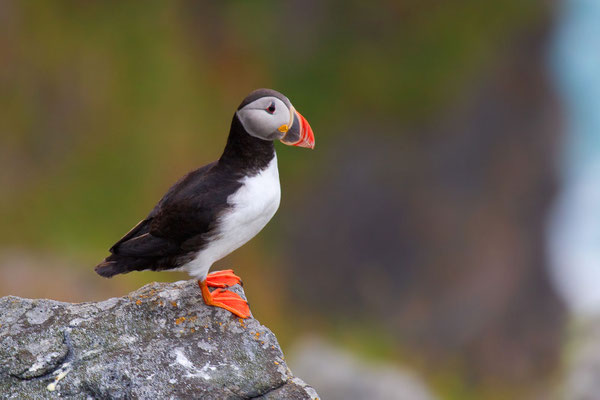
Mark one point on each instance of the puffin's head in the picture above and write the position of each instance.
(269, 115)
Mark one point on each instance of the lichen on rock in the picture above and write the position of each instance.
(160, 341)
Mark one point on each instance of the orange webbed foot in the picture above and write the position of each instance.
(222, 279)
(225, 299)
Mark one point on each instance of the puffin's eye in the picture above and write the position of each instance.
(271, 108)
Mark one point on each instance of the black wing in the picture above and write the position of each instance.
(184, 217)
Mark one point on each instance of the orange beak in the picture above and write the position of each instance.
(300, 133)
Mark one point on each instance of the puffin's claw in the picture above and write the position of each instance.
(226, 299)
(222, 279)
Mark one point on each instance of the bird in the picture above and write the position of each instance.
(217, 208)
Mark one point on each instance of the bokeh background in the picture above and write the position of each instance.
(443, 237)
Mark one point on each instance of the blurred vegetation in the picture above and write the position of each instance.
(105, 104)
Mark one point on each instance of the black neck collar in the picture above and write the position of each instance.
(244, 152)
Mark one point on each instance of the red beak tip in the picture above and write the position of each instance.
(307, 138)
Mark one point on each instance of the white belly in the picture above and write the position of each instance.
(252, 206)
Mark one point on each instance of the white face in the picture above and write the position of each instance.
(265, 117)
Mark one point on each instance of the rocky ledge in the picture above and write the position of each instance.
(159, 342)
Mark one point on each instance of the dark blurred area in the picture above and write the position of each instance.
(439, 237)
(413, 234)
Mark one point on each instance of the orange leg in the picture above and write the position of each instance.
(226, 299)
(222, 279)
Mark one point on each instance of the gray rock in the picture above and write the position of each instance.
(159, 342)
(581, 380)
(340, 375)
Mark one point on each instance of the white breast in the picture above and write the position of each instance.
(251, 207)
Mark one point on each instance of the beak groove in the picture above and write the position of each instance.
(299, 133)
(307, 137)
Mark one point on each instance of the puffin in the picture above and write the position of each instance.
(217, 208)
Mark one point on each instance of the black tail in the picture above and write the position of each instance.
(108, 268)
(116, 264)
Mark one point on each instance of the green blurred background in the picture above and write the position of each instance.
(412, 234)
